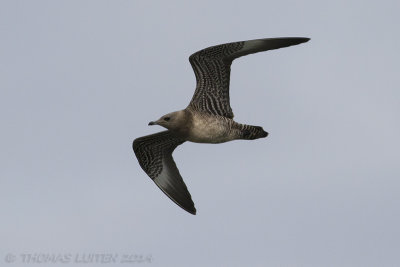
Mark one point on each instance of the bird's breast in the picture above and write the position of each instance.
(209, 129)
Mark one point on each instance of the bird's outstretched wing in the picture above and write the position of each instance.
(154, 153)
(212, 69)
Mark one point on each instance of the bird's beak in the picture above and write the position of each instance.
(152, 123)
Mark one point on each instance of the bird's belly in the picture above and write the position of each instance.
(209, 131)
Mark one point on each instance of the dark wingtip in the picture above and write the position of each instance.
(187, 207)
(193, 211)
(289, 41)
(305, 39)
(297, 40)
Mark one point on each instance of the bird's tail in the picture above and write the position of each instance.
(249, 132)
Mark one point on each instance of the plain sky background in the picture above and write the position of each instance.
(79, 80)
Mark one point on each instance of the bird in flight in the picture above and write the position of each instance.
(207, 119)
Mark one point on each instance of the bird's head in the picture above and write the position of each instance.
(172, 121)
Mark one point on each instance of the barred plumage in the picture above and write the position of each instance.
(207, 119)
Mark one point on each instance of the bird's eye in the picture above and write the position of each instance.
(166, 118)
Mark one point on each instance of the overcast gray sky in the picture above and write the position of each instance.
(81, 79)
